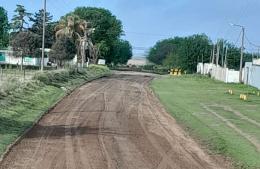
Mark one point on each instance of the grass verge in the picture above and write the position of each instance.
(224, 123)
(21, 104)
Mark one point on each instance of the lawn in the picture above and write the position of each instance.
(218, 120)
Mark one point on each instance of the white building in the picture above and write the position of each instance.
(7, 57)
(138, 61)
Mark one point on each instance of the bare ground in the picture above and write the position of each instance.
(111, 123)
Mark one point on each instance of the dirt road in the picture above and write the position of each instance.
(111, 123)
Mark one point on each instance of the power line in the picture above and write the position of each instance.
(238, 37)
(251, 43)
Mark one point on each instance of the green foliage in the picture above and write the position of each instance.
(160, 50)
(186, 52)
(184, 98)
(20, 18)
(63, 49)
(25, 43)
(4, 27)
(60, 77)
(181, 52)
(121, 52)
(37, 26)
(107, 27)
(108, 30)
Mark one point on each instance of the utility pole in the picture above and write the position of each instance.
(43, 33)
(223, 53)
(242, 51)
(242, 55)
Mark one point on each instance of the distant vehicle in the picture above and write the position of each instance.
(51, 64)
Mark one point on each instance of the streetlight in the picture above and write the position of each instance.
(242, 50)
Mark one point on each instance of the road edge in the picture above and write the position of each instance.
(66, 94)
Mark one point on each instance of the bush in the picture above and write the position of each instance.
(58, 77)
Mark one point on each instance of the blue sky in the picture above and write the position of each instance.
(147, 21)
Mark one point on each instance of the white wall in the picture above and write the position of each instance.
(256, 61)
(219, 73)
(252, 74)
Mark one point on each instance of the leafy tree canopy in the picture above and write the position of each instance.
(186, 52)
(25, 44)
(62, 50)
(121, 52)
(108, 28)
(37, 27)
(4, 27)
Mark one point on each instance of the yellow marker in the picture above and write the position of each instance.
(179, 72)
(243, 97)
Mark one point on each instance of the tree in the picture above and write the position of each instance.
(186, 52)
(183, 53)
(160, 51)
(121, 52)
(63, 49)
(4, 27)
(37, 27)
(108, 28)
(25, 44)
(79, 30)
(19, 19)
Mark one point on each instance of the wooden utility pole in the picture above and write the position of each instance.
(43, 33)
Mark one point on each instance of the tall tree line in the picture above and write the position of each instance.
(186, 52)
(106, 37)
(4, 28)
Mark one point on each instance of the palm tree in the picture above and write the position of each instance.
(79, 30)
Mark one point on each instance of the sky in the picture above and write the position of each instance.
(147, 21)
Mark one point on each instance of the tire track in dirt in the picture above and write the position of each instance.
(186, 152)
(111, 123)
